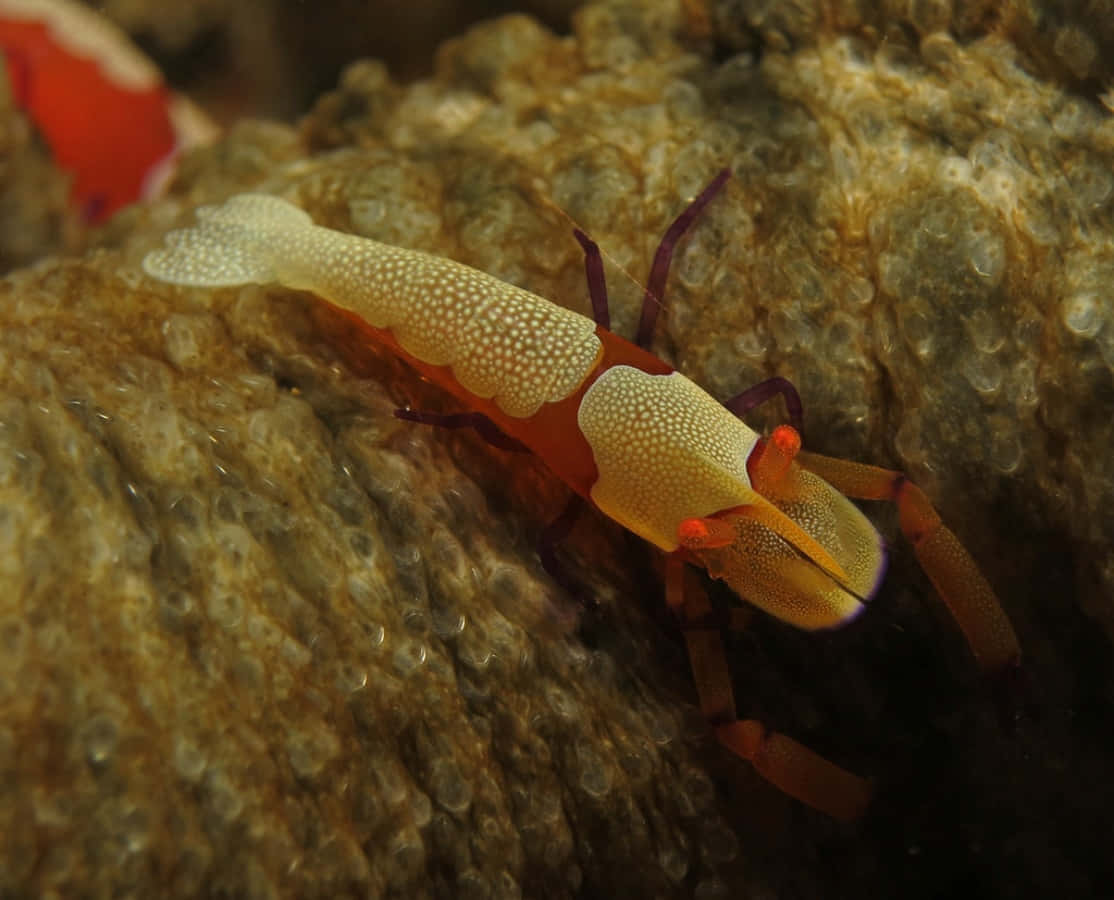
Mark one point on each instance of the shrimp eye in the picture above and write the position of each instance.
(705, 534)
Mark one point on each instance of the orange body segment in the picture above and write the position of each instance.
(970, 598)
(551, 433)
(798, 771)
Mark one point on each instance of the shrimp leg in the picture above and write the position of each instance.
(787, 764)
(945, 560)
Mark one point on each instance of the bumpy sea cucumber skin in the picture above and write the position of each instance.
(500, 341)
(665, 451)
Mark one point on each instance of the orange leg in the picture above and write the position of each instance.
(950, 567)
(789, 766)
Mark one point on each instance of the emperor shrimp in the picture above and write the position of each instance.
(640, 441)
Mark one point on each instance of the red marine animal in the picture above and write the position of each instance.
(101, 106)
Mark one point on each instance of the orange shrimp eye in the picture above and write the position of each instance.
(705, 534)
(787, 440)
(772, 458)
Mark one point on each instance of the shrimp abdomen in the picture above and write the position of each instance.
(501, 342)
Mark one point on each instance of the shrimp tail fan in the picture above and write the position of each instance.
(243, 241)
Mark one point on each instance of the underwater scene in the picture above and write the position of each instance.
(553, 449)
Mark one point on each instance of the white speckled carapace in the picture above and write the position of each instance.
(650, 448)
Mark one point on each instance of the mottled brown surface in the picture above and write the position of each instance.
(259, 638)
(1070, 42)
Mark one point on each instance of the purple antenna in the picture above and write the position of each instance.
(485, 428)
(555, 532)
(597, 283)
(659, 271)
(758, 394)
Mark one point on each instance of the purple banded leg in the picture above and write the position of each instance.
(485, 428)
(659, 271)
(597, 284)
(758, 394)
(555, 532)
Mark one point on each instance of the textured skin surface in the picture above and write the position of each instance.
(208, 516)
(1070, 42)
(665, 450)
(500, 341)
